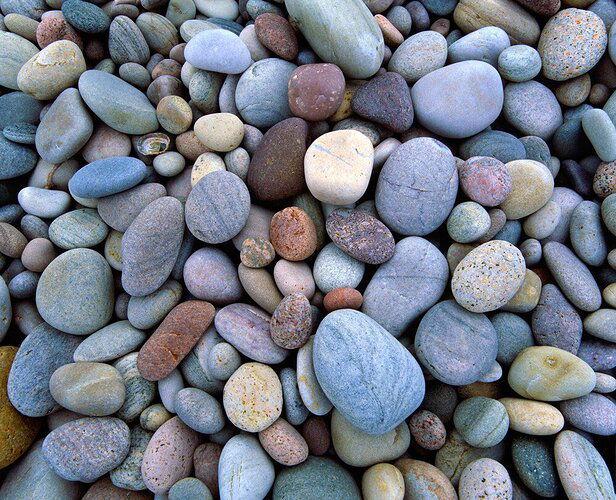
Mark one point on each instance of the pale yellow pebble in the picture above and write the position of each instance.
(205, 164)
(527, 297)
(21, 25)
(220, 131)
(609, 294)
(533, 417)
(382, 482)
(344, 110)
(174, 114)
(532, 186)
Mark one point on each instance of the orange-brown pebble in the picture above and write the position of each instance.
(427, 430)
(391, 34)
(177, 53)
(189, 146)
(206, 460)
(316, 433)
(293, 234)
(343, 298)
(167, 67)
(283, 443)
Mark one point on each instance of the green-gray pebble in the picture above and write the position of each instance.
(483, 422)
(81, 228)
(128, 474)
(110, 342)
(533, 460)
(140, 393)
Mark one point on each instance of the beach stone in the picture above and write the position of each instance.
(608, 209)
(427, 430)
(605, 383)
(15, 159)
(335, 269)
(260, 287)
(532, 108)
(293, 234)
(109, 343)
(316, 434)
(139, 392)
(485, 44)
(126, 42)
(85, 16)
(479, 89)
(148, 311)
(382, 481)
(411, 64)
(277, 34)
(168, 387)
(598, 354)
(336, 334)
(592, 413)
(13, 241)
(121, 209)
(80, 281)
(189, 487)
(310, 390)
(93, 389)
(482, 422)
(291, 323)
(527, 296)
(424, 480)
(548, 373)
(581, 468)
(261, 95)
(17, 107)
(257, 252)
(205, 459)
(107, 177)
(485, 476)
(87, 448)
(542, 223)
(316, 91)
(284, 443)
(317, 477)
(118, 104)
(174, 338)
(244, 469)
(468, 222)
(104, 143)
(50, 71)
(252, 397)
(159, 32)
(485, 180)
(555, 321)
(604, 181)
(575, 91)
(283, 147)
(167, 458)
(210, 275)
(497, 287)
(342, 298)
(408, 200)
(220, 131)
(396, 296)
(360, 449)
(104, 488)
(217, 208)
(295, 411)
(80, 228)
(218, 50)
(200, 411)
(601, 132)
(598, 324)
(476, 343)
(571, 43)
(360, 58)
(338, 165)
(533, 417)
(532, 187)
(572, 276)
(16, 51)
(223, 359)
(6, 311)
(128, 474)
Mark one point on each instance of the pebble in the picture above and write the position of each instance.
(485, 477)
(533, 417)
(15, 159)
(218, 50)
(548, 373)
(555, 321)
(338, 165)
(223, 360)
(257, 252)
(427, 430)
(200, 411)
(592, 413)
(482, 422)
(605, 383)
(277, 34)
(475, 339)
(148, 311)
(205, 460)
(382, 481)
(293, 234)
(598, 324)
(342, 298)
(284, 443)
(418, 55)
(72, 453)
(312, 394)
(316, 91)
(252, 397)
(519, 63)
(422, 479)
(604, 178)
(485, 44)
(532, 187)
(81, 228)
(220, 131)
(532, 108)
(601, 132)
(291, 322)
(335, 269)
(13, 241)
(139, 392)
(109, 343)
(485, 180)
(189, 487)
(468, 222)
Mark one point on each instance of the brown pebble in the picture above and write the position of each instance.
(604, 182)
(441, 26)
(37, 254)
(189, 146)
(177, 53)
(316, 433)
(277, 34)
(174, 338)
(257, 252)
(283, 443)
(54, 28)
(12, 242)
(167, 67)
(392, 36)
(427, 430)
(163, 86)
(104, 489)
(342, 298)
(291, 323)
(94, 50)
(174, 114)
(316, 91)
(293, 234)
(599, 94)
(106, 142)
(206, 460)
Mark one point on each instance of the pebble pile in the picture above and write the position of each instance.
(307, 249)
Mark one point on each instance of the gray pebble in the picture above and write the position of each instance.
(199, 411)
(586, 233)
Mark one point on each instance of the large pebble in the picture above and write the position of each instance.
(128, 474)
(147, 312)
(284, 443)
(485, 44)
(218, 50)
(316, 91)
(406, 286)
(519, 63)
(419, 55)
(107, 176)
(200, 411)
(15, 159)
(81, 228)
(424, 480)
(533, 417)
(16, 51)
(586, 233)
(443, 99)
(121, 209)
(209, 274)
(87, 448)
(111, 342)
(485, 477)
(373, 397)
(482, 422)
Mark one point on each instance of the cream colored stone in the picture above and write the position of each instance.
(382, 482)
(533, 417)
(532, 186)
(220, 131)
(205, 164)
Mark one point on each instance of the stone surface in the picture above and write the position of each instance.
(316, 91)
(218, 50)
(533, 417)
(107, 177)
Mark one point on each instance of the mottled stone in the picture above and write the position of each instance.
(555, 321)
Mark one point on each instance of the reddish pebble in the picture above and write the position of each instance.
(283, 443)
(293, 234)
(291, 323)
(206, 460)
(277, 34)
(427, 430)
(342, 298)
(604, 183)
(54, 28)
(317, 436)
(189, 146)
(174, 338)
(485, 180)
(37, 254)
(104, 489)
(316, 91)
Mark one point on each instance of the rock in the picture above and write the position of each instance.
(15, 159)
(261, 95)
(220, 131)
(485, 477)
(572, 276)
(126, 42)
(382, 480)
(283, 144)
(422, 479)
(167, 458)
(357, 58)
(345, 331)
(317, 478)
(200, 411)
(218, 50)
(571, 43)
(519, 63)
(283, 443)
(121, 209)
(485, 180)
(75, 292)
(104, 488)
(252, 397)
(260, 287)
(16, 51)
(85, 17)
(13, 241)
(477, 87)
(223, 360)
(533, 417)
(140, 392)
(405, 287)
(359, 449)
(586, 233)
(107, 177)
(489, 276)
(209, 274)
(158, 31)
(257, 253)
(427, 430)
(338, 165)
(291, 322)
(550, 374)
(592, 413)
(109, 343)
(217, 208)
(174, 338)
(316, 91)
(128, 474)
(335, 269)
(93, 389)
(147, 312)
(244, 469)
(87, 448)
(555, 321)
(293, 234)
(419, 55)
(485, 44)
(189, 487)
(311, 392)
(475, 339)
(205, 459)
(581, 468)
(55, 68)
(543, 222)
(81, 228)
(277, 34)
(482, 422)
(117, 103)
(468, 222)
(342, 298)
(598, 324)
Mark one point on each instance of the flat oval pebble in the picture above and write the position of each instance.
(485, 180)
(218, 50)
(586, 233)
(148, 311)
(482, 422)
(291, 322)
(200, 411)
(533, 417)
(107, 176)
(87, 448)
(534, 462)
(592, 413)
(424, 480)
(310, 390)
(316, 91)
(555, 322)
(532, 185)
(16, 159)
(486, 476)
(110, 342)
(419, 55)
(283, 443)
(81, 228)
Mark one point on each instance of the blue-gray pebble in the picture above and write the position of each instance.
(107, 176)
(514, 335)
(199, 411)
